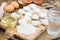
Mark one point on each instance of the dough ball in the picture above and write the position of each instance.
(15, 4)
(9, 8)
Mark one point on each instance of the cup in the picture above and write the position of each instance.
(54, 21)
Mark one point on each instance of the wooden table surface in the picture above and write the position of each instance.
(46, 36)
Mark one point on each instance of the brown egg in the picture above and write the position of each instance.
(9, 8)
(27, 1)
(39, 2)
(15, 4)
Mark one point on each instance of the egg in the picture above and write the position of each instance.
(36, 23)
(20, 2)
(15, 4)
(27, 1)
(21, 11)
(26, 29)
(35, 16)
(39, 2)
(9, 8)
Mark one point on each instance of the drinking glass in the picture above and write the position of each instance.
(54, 21)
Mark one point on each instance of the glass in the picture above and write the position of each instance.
(8, 22)
(54, 21)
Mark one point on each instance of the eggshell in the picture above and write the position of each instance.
(39, 2)
(15, 4)
(9, 8)
(20, 2)
(27, 1)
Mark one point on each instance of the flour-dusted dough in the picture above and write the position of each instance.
(26, 8)
(33, 6)
(43, 13)
(15, 15)
(22, 21)
(36, 23)
(21, 11)
(26, 29)
(44, 21)
(35, 16)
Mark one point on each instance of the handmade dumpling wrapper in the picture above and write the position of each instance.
(26, 29)
(15, 15)
(43, 13)
(33, 6)
(36, 23)
(35, 16)
(44, 21)
(21, 11)
(27, 8)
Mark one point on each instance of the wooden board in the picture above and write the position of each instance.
(38, 32)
